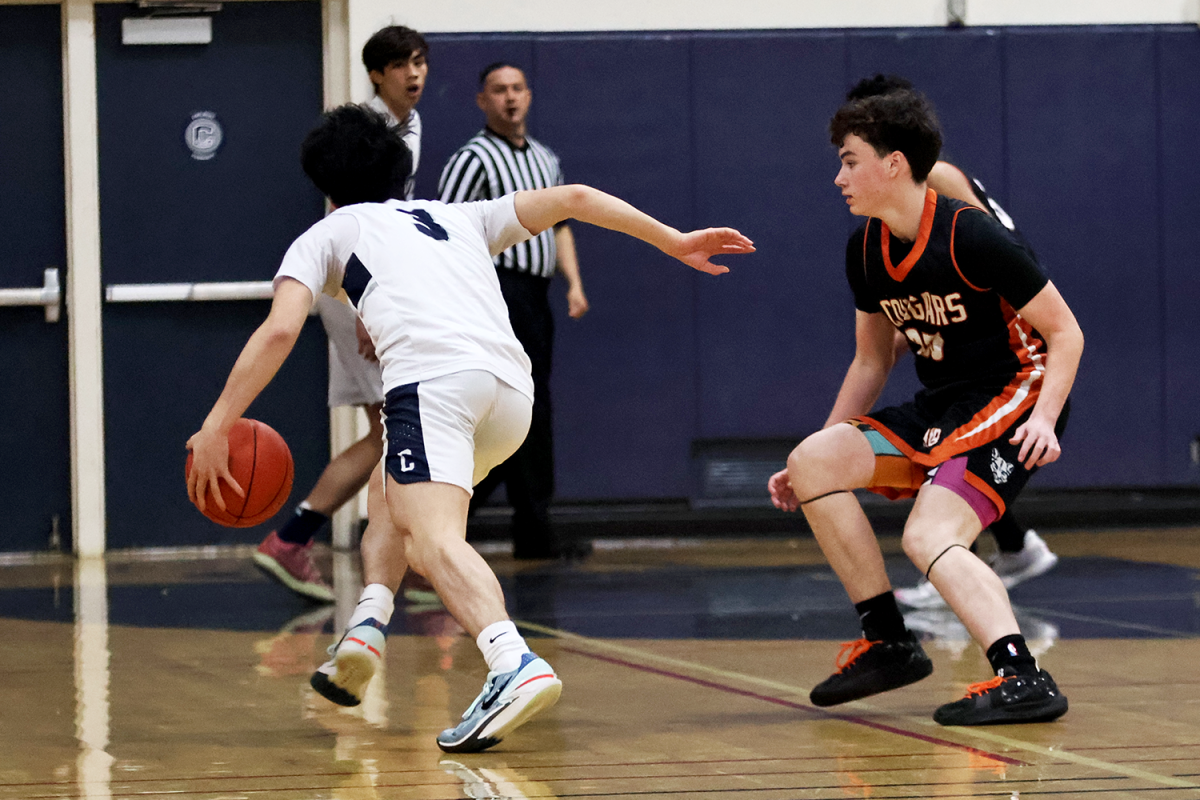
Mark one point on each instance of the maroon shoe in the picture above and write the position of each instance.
(292, 565)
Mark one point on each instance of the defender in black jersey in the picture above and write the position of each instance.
(996, 350)
(1021, 554)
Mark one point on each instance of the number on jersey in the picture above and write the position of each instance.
(929, 345)
(426, 224)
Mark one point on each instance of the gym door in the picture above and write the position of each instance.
(200, 182)
(35, 476)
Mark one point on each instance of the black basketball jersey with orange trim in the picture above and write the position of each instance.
(953, 293)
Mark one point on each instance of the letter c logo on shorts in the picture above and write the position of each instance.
(405, 464)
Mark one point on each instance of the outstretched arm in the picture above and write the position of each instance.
(541, 208)
(261, 358)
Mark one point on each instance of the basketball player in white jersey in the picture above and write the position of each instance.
(457, 382)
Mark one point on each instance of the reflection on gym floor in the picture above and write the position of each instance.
(686, 672)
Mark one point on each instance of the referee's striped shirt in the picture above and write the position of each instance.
(487, 167)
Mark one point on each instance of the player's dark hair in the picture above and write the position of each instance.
(391, 44)
(878, 84)
(355, 156)
(899, 120)
(492, 67)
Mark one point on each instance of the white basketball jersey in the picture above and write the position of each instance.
(420, 274)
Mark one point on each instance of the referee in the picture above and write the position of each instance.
(498, 160)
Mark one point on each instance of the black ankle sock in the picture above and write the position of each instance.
(301, 528)
(1013, 653)
(881, 619)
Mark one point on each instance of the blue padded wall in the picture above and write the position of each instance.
(775, 335)
(1179, 71)
(1082, 123)
(629, 432)
(1070, 128)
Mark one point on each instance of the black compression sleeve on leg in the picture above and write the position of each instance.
(939, 555)
(1010, 536)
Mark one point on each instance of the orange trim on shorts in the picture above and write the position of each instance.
(899, 473)
(986, 490)
(895, 477)
(918, 249)
(978, 430)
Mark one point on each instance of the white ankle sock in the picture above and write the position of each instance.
(502, 646)
(375, 602)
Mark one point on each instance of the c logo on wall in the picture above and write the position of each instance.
(203, 135)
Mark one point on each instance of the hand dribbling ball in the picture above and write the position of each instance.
(261, 463)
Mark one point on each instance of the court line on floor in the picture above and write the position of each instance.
(1112, 623)
(730, 675)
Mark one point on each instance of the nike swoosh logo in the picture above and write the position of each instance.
(488, 701)
(497, 636)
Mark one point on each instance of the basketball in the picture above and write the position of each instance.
(261, 463)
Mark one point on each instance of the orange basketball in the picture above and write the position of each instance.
(261, 463)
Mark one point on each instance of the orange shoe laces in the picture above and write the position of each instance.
(985, 686)
(851, 651)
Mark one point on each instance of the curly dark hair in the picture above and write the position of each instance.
(901, 120)
(355, 156)
(878, 84)
(391, 44)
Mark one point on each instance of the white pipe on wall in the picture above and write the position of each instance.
(85, 341)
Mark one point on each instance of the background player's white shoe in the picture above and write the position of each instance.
(923, 595)
(1033, 559)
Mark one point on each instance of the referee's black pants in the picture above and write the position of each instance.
(528, 475)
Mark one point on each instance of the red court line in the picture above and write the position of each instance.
(721, 687)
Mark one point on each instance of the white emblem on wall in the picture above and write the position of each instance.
(203, 135)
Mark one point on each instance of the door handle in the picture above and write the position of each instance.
(166, 292)
(50, 295)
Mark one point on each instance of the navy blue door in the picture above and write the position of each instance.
(219, 201)
(35, 478)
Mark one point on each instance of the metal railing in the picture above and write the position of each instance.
(49, 295)
(162, 292)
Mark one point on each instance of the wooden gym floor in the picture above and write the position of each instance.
(686, 673)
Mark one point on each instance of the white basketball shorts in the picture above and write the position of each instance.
(453, 429)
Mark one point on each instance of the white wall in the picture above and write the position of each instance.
(574, 15)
